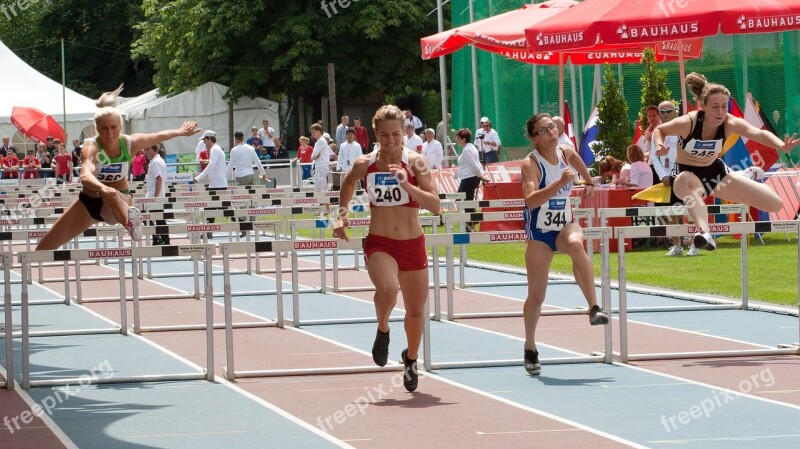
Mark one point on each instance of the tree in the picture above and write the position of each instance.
(268, 47)
(97, 35)
(612, 111)
(654, 85)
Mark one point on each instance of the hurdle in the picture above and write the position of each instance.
(8, 330)
(26, 258)
(679, 230)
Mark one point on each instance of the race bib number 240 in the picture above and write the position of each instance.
(384, 190)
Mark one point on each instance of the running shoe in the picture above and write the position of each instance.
(134, 224)
(410, 374)
(675, 250)
(532, 365)
(597, 316)
(380, 348)
(703, 240)
(693, 251)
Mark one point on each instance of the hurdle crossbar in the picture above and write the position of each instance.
(29, 257)
(678, 230)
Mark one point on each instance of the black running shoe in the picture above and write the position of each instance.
(597, 316)
(380, 349)
(704, 240)
(532, 365)
(410, 375)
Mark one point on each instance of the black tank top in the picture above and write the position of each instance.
(694, 144)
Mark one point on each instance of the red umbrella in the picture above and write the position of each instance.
(36, 124)
(616, 22)
(504, 34)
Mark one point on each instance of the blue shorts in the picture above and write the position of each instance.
(534, 233)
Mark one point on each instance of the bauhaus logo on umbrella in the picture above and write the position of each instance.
(771, 24)
(678, 30)
(545, 40)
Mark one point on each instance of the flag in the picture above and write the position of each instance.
(590, 132)
(638, 135)
(568, 124)
(740, 152)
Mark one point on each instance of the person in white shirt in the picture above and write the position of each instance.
(414, 121)
(488, 142)
(470, 171)
(411, 140)
(432, 150)
(156, 179)
(266, 133)
(243, 158)
(321, 156)
(215, 172)
(563, 138)
(348, 152)
(341, 131)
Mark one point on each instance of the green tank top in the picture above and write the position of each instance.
(113, 169)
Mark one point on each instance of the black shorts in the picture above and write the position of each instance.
(710, 176)
(92, 204)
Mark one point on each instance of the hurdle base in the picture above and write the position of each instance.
(681, 308)
(202, 327)
(345, 321)
(516, 362)
(713, 354)
(518, 314)
(311, 371)
(67, 333)
(115, 380)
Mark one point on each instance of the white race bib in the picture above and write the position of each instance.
(554, 214)
(112, 172)
(384, 190)
(704, 148)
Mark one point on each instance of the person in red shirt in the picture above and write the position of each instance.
(63, 165)
(10, 165)
(31, 164)
(138, 165)
(304, 156)
(362, 136)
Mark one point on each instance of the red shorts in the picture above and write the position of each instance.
(409, 254)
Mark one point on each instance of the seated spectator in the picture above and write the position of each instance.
(31, 165)
(10, 164)
(640, 173)
(610, 169)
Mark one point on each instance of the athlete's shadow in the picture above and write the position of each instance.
(554, 381)
(414, 400)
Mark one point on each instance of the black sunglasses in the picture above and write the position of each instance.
(666, 111)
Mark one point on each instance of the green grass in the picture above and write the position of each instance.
(772, 267)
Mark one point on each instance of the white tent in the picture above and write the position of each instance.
(22, 85)
(205, 105)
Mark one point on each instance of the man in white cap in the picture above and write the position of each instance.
(487, 141)
(215, 172)
(432, 150)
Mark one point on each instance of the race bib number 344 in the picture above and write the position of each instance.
(554, 214)
(384, 190)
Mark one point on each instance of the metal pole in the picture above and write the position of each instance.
(535, 77)
(279, 288)
(26, 338)
(7, 262)
(743, 246)
(443, 83)
(123, 306)
(64, 90)
(683, 76)
(209, 288)
(561, 84)
(230, 371)
(623, 299)
(473, 51)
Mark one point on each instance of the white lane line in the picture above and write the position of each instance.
(750, 438)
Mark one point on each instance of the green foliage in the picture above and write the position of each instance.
(654, 85)
(266, 48)
(615, 130)
(97, 39)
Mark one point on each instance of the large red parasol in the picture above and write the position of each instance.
(36, 124)
(504, 34)
(632, 22)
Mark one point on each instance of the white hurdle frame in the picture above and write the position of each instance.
(26, 258)
(8, 333)
(292, 246)
(678, 230)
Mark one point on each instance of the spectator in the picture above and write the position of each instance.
(411, 140)
(156, 179)
(266, 134)
(414, 121)
(563, 138)
(51, 145)
(63, 165)
(76, 153)
(255, 141)
(138, 166)
(640, 174)
(441, 133)
(215, 171)
(488, 142)
(610, 167)
(6, 147)
(31, 164)
(45, 159)
(11, 164)
(321, 157)
(263, 156)
(348, 152)
(362, 136)
(646, 141)
(243, 158)
(432, 150)
(304, 152)
(202, 154)
(470, 172)
(341, 131)
(280, 150)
